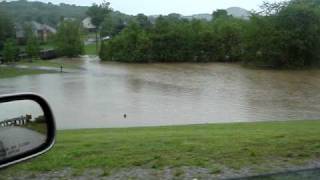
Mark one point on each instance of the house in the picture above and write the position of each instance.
(87, 24)
(41, 31)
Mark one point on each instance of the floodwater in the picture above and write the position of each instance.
(100, 94)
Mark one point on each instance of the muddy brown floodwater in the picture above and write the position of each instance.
(101, 94)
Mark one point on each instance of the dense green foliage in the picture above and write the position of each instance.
(6, 28)
(287, 38)
(9, 51)
(172, 39)
(283, 35)
(98, 13)
(68, 39)
(33, 46)
(113, 24)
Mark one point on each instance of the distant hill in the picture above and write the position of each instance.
(238, 12)
(48, 13)
(234, 11)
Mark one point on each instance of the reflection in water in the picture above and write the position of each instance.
(166, 94)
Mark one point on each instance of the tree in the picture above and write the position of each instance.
(220, 13)
(269, 9)
(299, 28)
(107, 26)
(9, 51)
(143, 21)
(33, 47)
(112, 25)
(229, 39)
(283, 35)
(68, 39)
(287, 37)
(6, 28)
(131, 45)
(98, 13)
(174, 17)
(261, 42)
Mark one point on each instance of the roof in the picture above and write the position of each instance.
(87, 23)
(20, 30)
(49, 28)
(40, 27)
(37, 26)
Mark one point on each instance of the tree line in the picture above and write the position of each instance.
(282, 35)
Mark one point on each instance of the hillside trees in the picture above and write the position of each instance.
(6, 28)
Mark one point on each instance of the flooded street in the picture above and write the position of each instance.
(100, 94)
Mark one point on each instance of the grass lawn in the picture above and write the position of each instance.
(8, 72)
(47, 46)
(42, 46)
(50, 63)
(90, 49)
(38, 127)
(235, 146)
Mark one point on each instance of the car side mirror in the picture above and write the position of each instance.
(27, 128)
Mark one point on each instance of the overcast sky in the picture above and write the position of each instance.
(185, 7)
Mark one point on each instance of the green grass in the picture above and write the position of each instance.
(47, 46)
(38, 127)
(49, 63)
(234, 146)
(42, 46)
(90, 49)
(8, 72)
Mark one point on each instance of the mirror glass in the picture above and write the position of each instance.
(23, 128)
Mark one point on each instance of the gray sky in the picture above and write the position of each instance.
(185, 7)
